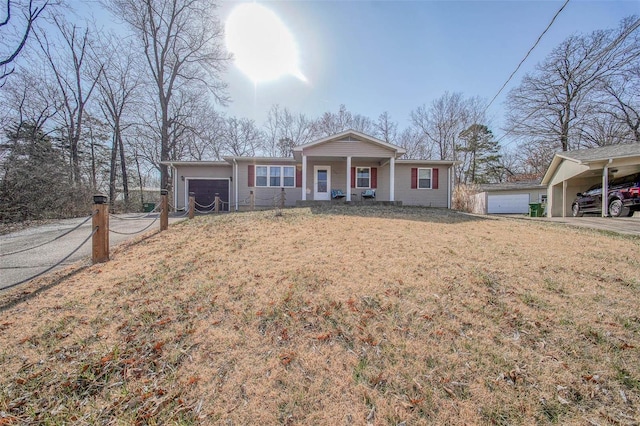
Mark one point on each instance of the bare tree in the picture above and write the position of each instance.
(242, 138)
(31, 13)
(553, 102)
(441, 123)
(413, 141)
(386, 129)
(331, 123)
(181, 42)
(76, 77)
(117, 88)
(284, 130)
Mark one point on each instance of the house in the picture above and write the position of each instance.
(508, 198)
(574, 171)
(359, 166)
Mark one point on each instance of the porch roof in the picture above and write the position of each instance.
(350, 135)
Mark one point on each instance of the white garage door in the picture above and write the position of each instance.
(514, 203)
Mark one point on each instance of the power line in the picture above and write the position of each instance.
(527, 55)
(599, 56)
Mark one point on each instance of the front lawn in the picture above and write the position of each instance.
(347, 315)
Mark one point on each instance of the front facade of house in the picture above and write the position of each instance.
(349, 166)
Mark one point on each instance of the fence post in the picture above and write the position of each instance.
(282, 197)
(252, 201)
(100, 241)
(192, 204)
(217, 203)
(164, 210)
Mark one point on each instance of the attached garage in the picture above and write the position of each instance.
(505, 204)
(205, 191)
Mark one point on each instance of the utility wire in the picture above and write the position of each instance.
(527, 55)
(599, 56)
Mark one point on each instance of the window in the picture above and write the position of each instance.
(289, 176)
(363, 177)
(276, 176)
(261, 175)
(424, 178)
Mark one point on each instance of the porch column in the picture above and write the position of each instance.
(392, 178)
(304, 177)
(564, 198)
(348, 189)
(605, 191)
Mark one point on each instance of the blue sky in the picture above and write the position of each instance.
(394, 56)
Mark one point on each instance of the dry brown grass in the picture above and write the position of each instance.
(341, 316)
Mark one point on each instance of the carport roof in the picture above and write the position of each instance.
(592, 156)
(602, 153)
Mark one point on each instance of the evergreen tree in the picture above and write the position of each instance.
(34, 179)
(478, 152)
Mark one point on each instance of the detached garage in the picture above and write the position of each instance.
(509, 198)
(575, 171)
(515, 203)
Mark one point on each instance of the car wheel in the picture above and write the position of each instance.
(616, 209)
(575, 210)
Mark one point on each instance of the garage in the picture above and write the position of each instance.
(508, 204)
(205, 191)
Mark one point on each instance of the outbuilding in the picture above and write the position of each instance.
(573, 172)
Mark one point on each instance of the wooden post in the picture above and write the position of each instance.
(217, 203)
(192, 204)
(100, 242)
(252, 201)
(164, 210)
(282, 198)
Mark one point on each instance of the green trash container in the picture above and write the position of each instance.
(535, 209)
(148, 207)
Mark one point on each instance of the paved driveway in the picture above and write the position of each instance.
(620, 225)
(21, 266)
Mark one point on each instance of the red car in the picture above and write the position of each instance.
(623, 198)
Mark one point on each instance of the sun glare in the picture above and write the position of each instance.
(263, 47)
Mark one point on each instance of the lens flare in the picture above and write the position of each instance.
(263, 47)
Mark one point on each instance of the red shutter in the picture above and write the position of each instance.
(414, 177)
(298, 178)
(374, 177)
(353, 177)
(252, 175)
(434, 178)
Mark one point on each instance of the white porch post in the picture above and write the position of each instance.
(392, 178)
(605, 191)
(564, 198)
(348, 188)
(304, 177)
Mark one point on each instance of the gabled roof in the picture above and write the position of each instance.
(590, 156)
(584, 156)
(356, 135)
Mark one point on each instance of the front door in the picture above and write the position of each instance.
(322, 182)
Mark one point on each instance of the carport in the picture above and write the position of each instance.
(575, 171)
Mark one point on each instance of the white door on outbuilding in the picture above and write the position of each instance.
(508, 204)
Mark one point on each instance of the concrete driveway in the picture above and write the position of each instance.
(16, 267)
(620, 225)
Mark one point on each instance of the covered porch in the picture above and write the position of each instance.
(348, 167)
